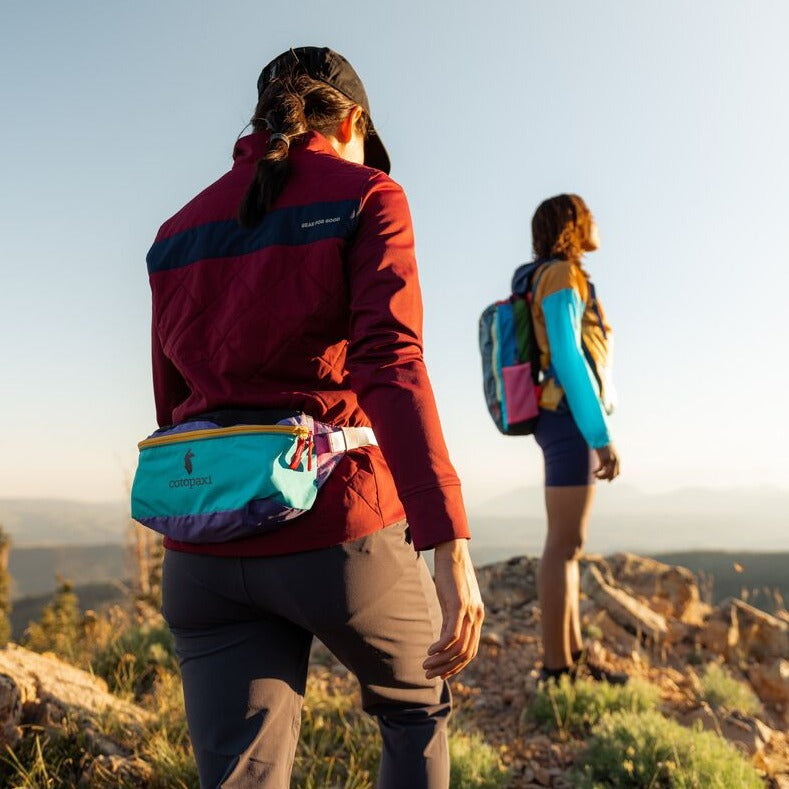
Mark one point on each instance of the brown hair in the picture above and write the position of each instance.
(290, 106)
(561, 227)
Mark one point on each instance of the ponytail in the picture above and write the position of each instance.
(288, 108)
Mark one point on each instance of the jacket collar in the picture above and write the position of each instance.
(250, 148)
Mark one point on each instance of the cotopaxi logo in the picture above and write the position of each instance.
(190, 482)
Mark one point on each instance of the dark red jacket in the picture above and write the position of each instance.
(317, 309)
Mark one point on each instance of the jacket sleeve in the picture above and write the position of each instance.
(387, 370)
(169, 387)
(563, 311)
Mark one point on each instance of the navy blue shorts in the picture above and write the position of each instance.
(568, 459)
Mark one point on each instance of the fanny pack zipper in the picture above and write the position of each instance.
(208, 433)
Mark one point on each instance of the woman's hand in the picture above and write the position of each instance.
(462, 609)
(609, 463)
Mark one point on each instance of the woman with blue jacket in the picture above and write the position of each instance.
(577, 395)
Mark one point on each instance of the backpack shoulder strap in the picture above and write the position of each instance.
(537, 276)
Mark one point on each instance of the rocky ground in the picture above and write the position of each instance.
(647, 619)
(641, 616)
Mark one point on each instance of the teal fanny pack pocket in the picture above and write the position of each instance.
(200, 482)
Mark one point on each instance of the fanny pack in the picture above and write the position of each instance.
(230, 475)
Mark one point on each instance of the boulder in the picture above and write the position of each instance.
(623, 608)
(737, 629)
(762, 636)
(510, 584)
(670, 590)
(749, 734)
(721, 634)
(48, 688)
(771, 682)
(613, 634)
(10, 712)
(601, 563)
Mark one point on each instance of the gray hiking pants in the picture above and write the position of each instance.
(243, 628)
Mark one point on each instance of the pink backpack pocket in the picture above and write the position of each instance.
(520, 392)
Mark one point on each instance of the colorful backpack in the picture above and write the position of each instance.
(510, 357)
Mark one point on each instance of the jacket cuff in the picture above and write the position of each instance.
(436, 515)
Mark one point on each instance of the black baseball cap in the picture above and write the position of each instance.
(328, 66)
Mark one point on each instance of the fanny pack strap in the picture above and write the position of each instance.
(346, 438)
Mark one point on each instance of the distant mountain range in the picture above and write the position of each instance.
(97, 596)
(61, 522)
(83, 541)
(34, 571)
(623, 518)
(626, 519)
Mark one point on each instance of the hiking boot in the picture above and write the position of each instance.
(584, 667)
(596, 672)
(548, 675)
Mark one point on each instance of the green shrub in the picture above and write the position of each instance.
(721, 689)
(593, 632)
(340, 746)
(169, 753)
(629, 749)
(42, 760)
(163, 742)
(129, 664)
(474, 764)
(59, 629)
(575, 706)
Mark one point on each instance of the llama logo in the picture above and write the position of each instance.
(188, 461)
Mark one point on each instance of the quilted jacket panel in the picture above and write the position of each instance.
(317, 309)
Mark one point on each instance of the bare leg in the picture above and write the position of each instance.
(574, 586)
(568, 516)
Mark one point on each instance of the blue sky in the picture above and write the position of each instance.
(670, 118)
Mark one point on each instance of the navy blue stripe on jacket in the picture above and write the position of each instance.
(291, 226)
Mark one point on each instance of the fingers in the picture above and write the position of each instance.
(608, 469)
(451, 629)
(441, 658)
(462, 609)
(458, 645)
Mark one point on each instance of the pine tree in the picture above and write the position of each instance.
(59, 629)
(146, 552)
(5, 589)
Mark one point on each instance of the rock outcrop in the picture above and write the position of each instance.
(640, 616)
(508, 585)
(668, 590)
(42, 690)
(645, 618)
(771, 683)
(628, 612)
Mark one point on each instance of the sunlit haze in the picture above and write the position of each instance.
(671, 120)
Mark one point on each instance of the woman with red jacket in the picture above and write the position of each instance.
(290, 285)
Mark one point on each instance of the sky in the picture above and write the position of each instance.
(670, 119)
